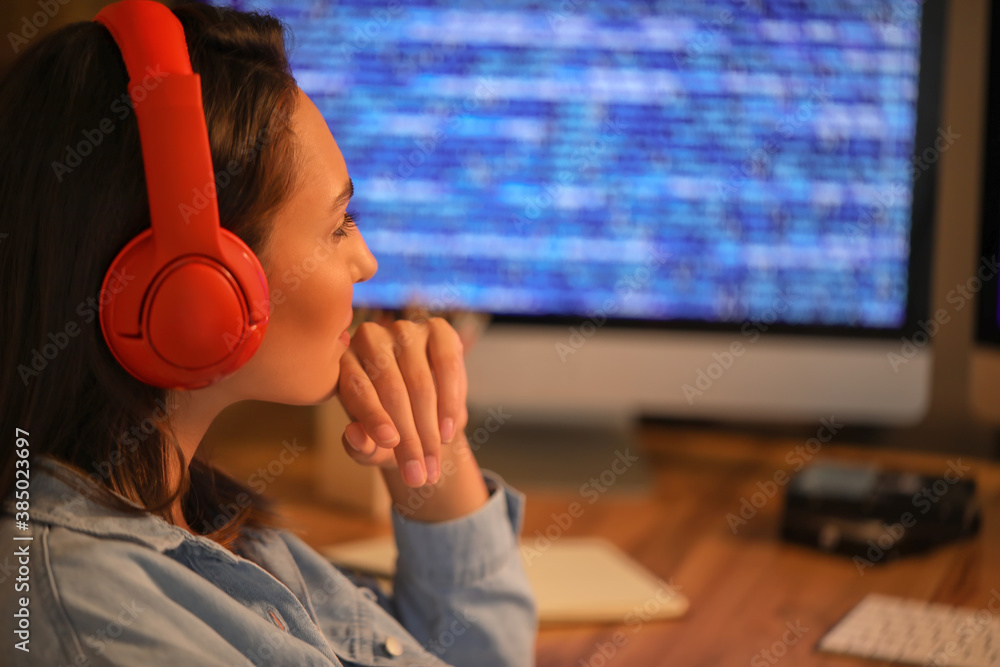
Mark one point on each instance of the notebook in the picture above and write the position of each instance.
(575, 579)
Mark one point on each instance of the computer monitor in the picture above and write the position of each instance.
(984, 370)
(717, 209)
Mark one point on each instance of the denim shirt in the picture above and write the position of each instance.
(106, 588)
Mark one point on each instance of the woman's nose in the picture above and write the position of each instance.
(366, 266)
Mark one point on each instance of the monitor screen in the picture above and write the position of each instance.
(668, 163)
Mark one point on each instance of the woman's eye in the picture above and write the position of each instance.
(344, 230)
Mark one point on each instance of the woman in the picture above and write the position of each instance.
(130, 558)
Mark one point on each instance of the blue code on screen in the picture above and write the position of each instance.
(702, 161)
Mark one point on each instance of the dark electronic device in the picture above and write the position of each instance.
(877, 515)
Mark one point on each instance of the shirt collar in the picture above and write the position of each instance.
(71, 505)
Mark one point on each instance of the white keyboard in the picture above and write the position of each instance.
(914, 632)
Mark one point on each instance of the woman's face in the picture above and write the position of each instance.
(311, 269)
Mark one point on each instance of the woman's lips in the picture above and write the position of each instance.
(345, 338)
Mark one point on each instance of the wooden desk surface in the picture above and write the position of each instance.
(746, 590)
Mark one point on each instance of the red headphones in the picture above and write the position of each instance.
(185, 302)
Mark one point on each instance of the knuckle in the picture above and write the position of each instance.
(402, 326)
(411, 442)
(354, 386)
(366, 329)
(394, 394)
(422, 384)
(404, 333)
(454, 363)
(441, 324)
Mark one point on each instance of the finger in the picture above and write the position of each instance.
(394, 396)
(361, 402)
(369, 453)
(356, 438)
(444, 350)
(416, 372)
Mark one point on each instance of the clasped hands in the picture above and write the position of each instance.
(404, 387)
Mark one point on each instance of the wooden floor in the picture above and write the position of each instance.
(746, 589)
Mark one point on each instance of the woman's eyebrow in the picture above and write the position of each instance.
(344, 195)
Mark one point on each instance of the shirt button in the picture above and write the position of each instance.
(369, 593)
(393, 647)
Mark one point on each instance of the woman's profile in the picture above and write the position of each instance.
(120, 547)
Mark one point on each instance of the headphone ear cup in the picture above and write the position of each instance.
(189, 323)
(195, 314)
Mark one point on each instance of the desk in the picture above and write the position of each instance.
(745, 588)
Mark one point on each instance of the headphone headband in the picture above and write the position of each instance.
(166, 96)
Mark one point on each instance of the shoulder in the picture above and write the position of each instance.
(71, 560)
(100, 599)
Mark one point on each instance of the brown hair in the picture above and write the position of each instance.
(72, 193)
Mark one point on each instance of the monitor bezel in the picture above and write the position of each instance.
(987, 326)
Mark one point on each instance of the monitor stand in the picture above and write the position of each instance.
(583, 454)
